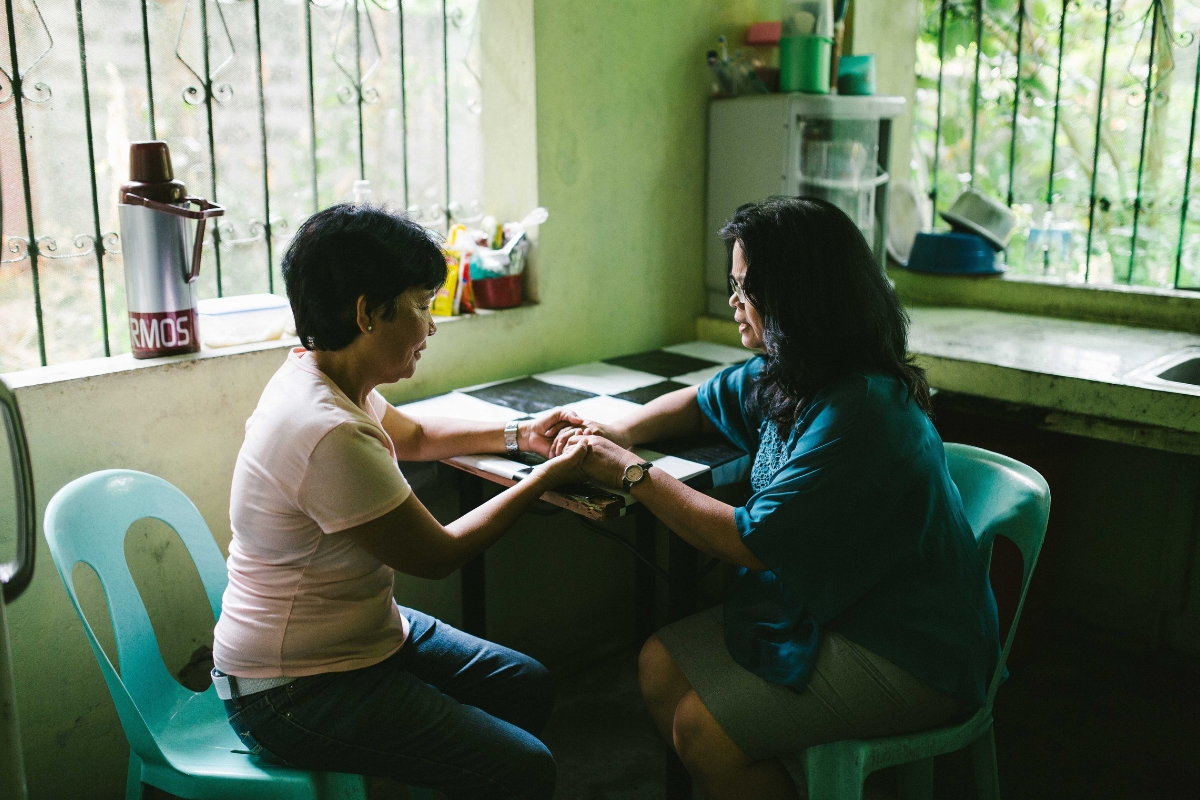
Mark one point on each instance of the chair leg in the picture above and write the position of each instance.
(915, 780)
(834, 773)
(134, 788)
(987, 776)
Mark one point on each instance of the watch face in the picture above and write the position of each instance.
(633, 473)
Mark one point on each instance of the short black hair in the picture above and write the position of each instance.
(826, 305)
(348, 251)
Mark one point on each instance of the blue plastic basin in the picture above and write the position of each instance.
(952, 253)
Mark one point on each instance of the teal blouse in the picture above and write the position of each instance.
(864, 534)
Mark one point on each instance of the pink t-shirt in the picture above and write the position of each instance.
(301, 599)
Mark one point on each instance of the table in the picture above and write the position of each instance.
(603, 391)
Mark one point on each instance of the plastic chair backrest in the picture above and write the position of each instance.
(86, 521)
(1002, 497)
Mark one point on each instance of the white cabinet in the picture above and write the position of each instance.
(827, 146)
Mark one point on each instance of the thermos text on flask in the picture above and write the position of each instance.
(162, 258)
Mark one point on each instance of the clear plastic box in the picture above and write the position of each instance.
(226, 321)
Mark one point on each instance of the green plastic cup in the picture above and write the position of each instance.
(804, 64)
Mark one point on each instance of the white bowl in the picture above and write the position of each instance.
(975, 212)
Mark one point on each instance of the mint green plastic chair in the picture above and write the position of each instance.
(1002, 497)
(179, 740)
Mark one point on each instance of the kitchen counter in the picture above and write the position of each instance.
(1077, 374)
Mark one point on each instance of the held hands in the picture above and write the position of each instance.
(578, 449)
(565, 468)
(584, 427)
(538, 435)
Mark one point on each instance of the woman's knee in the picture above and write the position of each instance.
(542, 774)
(700, 741)
(658, 675)
(689, 729)
(533, 771)
(535, 686)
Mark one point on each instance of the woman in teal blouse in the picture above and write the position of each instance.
(861, 606)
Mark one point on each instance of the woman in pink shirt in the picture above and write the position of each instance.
(319, 667)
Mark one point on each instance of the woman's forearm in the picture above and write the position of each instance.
(435, 438)
(480, 528)
(702, 521)
(667, 417)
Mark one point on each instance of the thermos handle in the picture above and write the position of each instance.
(201, 216)
(16, 574)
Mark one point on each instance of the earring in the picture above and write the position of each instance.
(370, 327)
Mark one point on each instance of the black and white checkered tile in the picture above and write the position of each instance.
(605, 391)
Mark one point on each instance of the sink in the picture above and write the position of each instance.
(1179, 371)
(1184, 372)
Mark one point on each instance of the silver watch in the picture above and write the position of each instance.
(634, 474)
(510, 438)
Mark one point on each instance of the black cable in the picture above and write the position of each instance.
(621, 540)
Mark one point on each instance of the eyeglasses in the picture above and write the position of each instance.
(735, 288)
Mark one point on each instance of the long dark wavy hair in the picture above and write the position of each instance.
(827, 307)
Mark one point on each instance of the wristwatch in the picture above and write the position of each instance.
(510, 439)
(634, 474)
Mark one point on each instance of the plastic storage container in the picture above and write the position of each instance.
(806, 46)
(950, 253)
(226, 321)
(839, 162)
(856, 74)
(502, 292)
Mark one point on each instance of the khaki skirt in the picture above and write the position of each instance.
(853, 694)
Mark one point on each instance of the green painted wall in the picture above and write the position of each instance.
(621, 108)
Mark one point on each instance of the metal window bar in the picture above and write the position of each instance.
(1016, 105)
(1187, 176)
(1062, 33)
(1075, 186)
(975, 87)
(937, 131)
(17, 83)
(1146, 103)
(262, 128)
(97, 236)
(1087, 257)
(211, 92)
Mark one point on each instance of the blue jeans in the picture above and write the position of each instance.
(448, 711)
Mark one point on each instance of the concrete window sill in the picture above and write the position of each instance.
(95, 367)
(1141, 307)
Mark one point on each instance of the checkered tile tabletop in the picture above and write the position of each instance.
(605, 391)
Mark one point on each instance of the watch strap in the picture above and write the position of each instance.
(510, 438)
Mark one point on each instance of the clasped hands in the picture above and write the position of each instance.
(580, 449)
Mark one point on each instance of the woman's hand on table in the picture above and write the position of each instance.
(538, 435)
(565, 468)
(587, 427)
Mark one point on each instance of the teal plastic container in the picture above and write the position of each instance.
(856, 74)
(804, 64)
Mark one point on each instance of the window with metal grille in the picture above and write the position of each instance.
(1081, 116)
(272, 108)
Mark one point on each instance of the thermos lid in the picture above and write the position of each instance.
(151, 175)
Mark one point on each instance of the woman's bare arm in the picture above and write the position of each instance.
(410, 540)
(666, 417)
(702, 521)
(434, 438)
